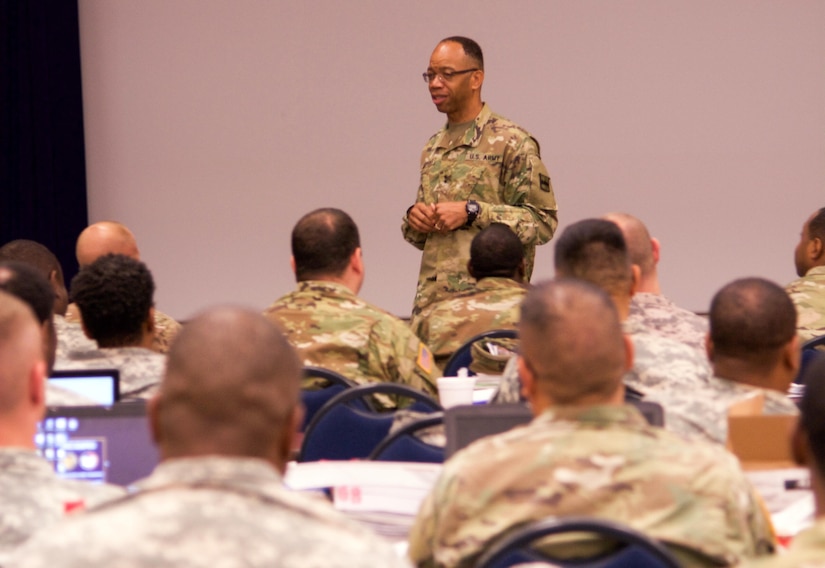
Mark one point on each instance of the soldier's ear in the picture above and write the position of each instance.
(654, 243)
(709, 346)
(292, 264)
(636, 278)
(816, 249)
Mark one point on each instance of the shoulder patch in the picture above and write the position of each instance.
(425, 359)
(544, 183)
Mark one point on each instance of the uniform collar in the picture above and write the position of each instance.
(473, 134)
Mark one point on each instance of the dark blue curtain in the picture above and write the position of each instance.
(42, 155)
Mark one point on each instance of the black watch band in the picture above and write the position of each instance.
(472, 208)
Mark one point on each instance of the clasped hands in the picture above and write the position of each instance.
(438, 217)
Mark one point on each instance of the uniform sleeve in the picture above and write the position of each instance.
(530, 204)
(401, 357)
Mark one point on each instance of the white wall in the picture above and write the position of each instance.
(212, 126)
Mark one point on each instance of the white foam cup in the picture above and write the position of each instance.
(454, 391)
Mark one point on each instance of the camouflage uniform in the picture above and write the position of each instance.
(166, 328)
(807, 550)
(141, 370)
(492, 303)
(34, 497)
(660, 315)
(71, 337)
(333, 328)
(604, 462)
(210, 512)
(659, 365)
(808, 295)
(496, 163)
(705, 409)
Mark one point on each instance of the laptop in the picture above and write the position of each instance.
(464, 425)
(99, 385)
(98, 443)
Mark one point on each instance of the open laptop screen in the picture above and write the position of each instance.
(99, 385)
(98, 443)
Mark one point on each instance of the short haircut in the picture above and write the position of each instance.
(812, 410)
(114, 294)
(27, 283)
(34, 254)
(470, 47)
(751, 319)
(322, 243)
(496, 251)
(232, 382)
(637, 239)
(594, 250)
(816, 228)
(571, 338)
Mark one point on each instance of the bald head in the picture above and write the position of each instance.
(105, 237)
(231, 388)
(21, 352)
(572, 342)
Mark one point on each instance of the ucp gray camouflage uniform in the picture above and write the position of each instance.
(808, 295)
(70, 337)
(659, 364)
(209, 512)
(497, 164)
(141, 370)
(166, 328)
(492, 303)
(599, 461)
(34, 497)
(661, 316)
(333, 328)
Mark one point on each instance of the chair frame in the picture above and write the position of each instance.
(334, 379)
(454, 363)
(359, 392)
(532, 532)
(409, 430)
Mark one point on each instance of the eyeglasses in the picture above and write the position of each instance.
(446, 76)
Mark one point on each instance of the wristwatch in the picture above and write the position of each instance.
(472, 208)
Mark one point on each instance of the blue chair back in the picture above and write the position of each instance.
(405, 446)
(463, 355)
(812, 350)
(314, 400)
(633, 549)
(346, 428)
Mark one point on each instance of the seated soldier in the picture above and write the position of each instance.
(115, 296)
(497, 264)
(110, 237)
(330, 326)
(224, 421)
(808, 291)
(33, 496)
(586, 453)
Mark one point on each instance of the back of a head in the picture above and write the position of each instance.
(27, 283)
(812, 411)
(594, 250)
(322, 243)
(816, 227)
(571, 338)
(115, 294)
(496, 251)
(638, 241)
(32, 253)
(232, 381)
(20, 349)
(751, 319)
(105, 237)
